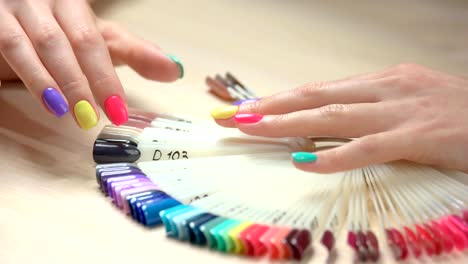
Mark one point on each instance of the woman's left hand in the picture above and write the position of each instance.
(407, 112)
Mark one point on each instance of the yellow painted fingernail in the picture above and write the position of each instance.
(224, 112)
(85, 115)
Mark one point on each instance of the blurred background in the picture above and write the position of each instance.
(278, 44)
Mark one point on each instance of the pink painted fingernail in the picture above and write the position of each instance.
(248, 118)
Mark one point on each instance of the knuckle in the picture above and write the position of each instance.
(84, 36)
(409, 67)
(11, 39)
(104, 80)
(48, 36)
(73, 86)
(34, 77)
(311, 89)
(369, 145)
(333, 111)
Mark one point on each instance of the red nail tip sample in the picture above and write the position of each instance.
(352, 240)
(426, 240)
(362, 246)
(328, 240)
(116, 110)
(372, 246)
(300, 243)
(397, 244)
(249, 250)
(436, 238)
(414, 243)
(259, 248)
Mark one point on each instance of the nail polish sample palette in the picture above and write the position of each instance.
(238, 194)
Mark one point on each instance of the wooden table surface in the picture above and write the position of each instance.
(50, 209)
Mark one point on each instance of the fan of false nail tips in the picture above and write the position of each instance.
(229, 88)
(239, 194)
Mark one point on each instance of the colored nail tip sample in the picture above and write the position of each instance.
(426, 239)
(248, 118)
(328, 240)
(465, 216)
(115, 152)
(116, 110)
(351, 240)
(304, 157)
(362, 246)
(396, 244)
(373, 246)
(413, 242)
(245, 101)
(120, 141)
(224, 112)
(55, 102)
(179, 64)
(301, 243)
(446, 240)
(85, 115)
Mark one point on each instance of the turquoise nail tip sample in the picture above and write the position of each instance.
(177, 61)
(304, 157)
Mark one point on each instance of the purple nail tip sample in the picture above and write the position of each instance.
(55, 102)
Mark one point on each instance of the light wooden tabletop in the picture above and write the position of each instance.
(50, 209)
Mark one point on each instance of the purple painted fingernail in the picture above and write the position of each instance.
(55, 102)
(245, 101)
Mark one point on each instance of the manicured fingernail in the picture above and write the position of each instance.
(304, 157)
(245, 101)
(55, 102)
(116, 110)
(177, 61)
(248, 118)
(85, 115)
(224, 112)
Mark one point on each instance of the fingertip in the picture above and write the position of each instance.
(230, 123)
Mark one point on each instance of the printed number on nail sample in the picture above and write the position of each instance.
(173, 155)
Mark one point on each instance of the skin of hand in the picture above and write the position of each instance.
(65, 56)
(408, 112)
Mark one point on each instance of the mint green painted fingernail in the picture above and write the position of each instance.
(177, 61)
(304, 157)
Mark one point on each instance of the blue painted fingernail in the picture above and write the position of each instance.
(55, 102)
(245, 101)
(304, 157)
(177, 61)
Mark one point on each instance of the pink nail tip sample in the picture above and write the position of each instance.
(248, 118)
(447, 238)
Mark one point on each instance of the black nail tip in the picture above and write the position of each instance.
(107, 152)
(114, 140)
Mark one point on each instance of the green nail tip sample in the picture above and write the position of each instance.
(177, 61)
(304, 157)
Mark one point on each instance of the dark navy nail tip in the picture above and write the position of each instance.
(107, 152)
